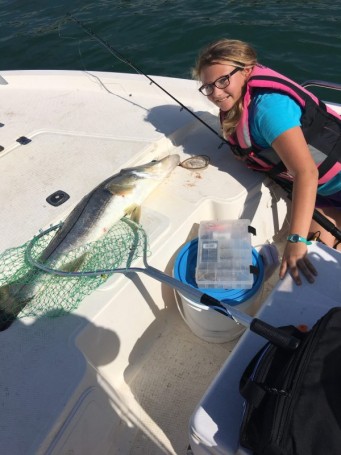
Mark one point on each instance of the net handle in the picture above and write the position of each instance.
(273, 334)
(262, 328)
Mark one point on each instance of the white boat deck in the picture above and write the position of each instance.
(123, 373)
(214, 425)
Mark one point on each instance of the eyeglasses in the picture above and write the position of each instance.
(221, 82)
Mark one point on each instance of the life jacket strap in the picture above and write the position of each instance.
(239, 151)
(332, 158)
(276, 170)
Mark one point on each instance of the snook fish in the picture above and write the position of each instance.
(93, 216)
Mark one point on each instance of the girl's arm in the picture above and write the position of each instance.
(292, 148)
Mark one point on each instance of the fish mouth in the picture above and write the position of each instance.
(170, 162)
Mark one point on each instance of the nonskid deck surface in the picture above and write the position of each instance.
(123, 373)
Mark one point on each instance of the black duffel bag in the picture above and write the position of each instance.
(293, 398)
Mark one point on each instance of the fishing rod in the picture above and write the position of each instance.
(120, 57)
(317, 216)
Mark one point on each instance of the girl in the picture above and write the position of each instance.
(278, 127)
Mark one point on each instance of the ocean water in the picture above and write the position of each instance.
(163, 37)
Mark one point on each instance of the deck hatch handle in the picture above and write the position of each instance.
(57, 198)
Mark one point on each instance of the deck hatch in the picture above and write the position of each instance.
(23, 140)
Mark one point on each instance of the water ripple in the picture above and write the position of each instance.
(164, 36)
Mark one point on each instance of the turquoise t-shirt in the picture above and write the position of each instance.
(273, 113)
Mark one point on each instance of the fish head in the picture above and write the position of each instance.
(133, 185)
(156, 169)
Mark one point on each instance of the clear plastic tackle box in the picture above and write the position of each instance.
(224, 255)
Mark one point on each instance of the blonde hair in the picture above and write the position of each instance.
(235, 53)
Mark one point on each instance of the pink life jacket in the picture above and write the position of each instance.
(321, 127)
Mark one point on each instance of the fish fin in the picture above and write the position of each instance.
(134, 211)
(6, 298)
(74, 265)
(5, 320)
(118, 188)
(11, 304)
(136, 214)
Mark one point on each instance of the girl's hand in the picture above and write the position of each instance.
(295, 260)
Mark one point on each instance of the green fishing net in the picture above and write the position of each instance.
(26, 290)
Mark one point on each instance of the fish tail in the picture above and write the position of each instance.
(7, 307)
(11, 304)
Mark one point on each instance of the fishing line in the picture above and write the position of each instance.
(69, 37)
(317, 216)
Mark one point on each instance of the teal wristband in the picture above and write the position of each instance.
(294, 238)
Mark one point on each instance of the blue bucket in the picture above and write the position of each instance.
(204, 321)
(184, 270)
